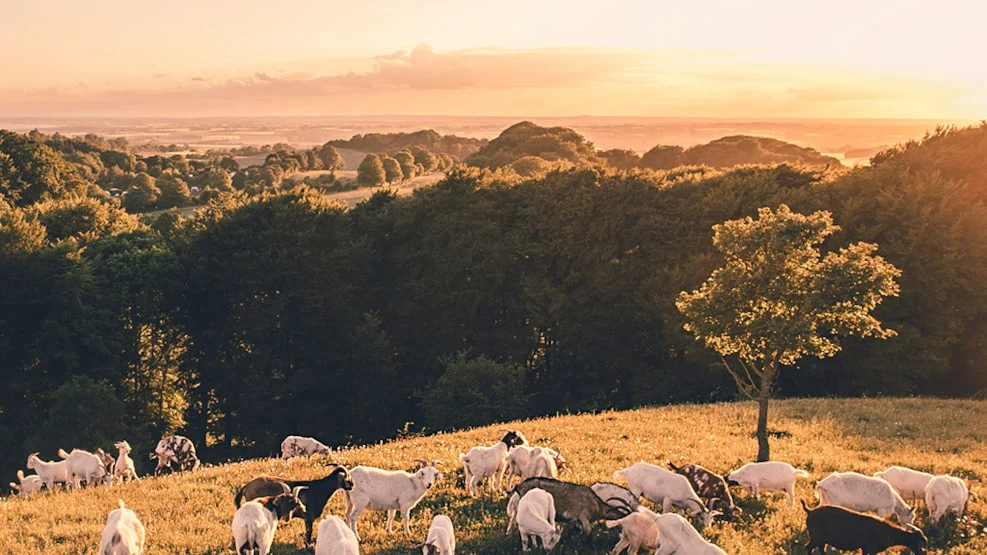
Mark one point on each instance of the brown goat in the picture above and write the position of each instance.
(849, 530)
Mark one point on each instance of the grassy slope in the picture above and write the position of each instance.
(191, 514)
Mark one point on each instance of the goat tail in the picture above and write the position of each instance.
(614, 523)
(122, 504)
(62, 453)
(619, 474)
(20, 476)
(463, 458)
(801, 473)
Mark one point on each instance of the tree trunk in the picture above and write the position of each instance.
(767, 381)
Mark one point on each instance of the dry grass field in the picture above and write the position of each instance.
(191, 514)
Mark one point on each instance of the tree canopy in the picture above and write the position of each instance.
(776, 299)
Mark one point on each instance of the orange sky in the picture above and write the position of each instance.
(753, 58)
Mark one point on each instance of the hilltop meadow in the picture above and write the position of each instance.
(191, 513)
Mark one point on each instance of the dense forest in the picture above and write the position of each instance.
(277, 311)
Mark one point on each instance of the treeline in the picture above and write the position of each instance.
(378, 169)
(532, 150)
(391, 143)
(282, 312)
(35, 167)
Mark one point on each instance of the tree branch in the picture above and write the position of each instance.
(747, 387)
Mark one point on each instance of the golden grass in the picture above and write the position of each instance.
(191, 514)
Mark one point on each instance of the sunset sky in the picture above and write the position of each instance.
(754, 58)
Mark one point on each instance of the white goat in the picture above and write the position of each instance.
(676, 536)
(295, 446)
(519, 459)
(767, 476)
(946, 494)
(386, 490)
(857, 492)
(50, 472)
(336, 538)
(638, 530)
(26, 484)
(256, 521)
(542, 465)
(666, 488)
(489, 462)
(124, 468)
(910, 484)
(83, 465)
(616, 496)
(123, 534)
(536, 519)
(441, 540)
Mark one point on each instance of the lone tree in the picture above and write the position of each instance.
(371, 172)
(776, 299)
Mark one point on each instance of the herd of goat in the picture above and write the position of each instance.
(536, 506)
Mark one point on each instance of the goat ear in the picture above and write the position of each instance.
(436, 462)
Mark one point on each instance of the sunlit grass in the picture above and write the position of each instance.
(191, 514)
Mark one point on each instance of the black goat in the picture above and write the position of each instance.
(314, 498)
(849, 530)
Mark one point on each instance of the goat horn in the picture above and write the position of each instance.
(422, 461)
(297, 490)
(436, 462)
(285, 486)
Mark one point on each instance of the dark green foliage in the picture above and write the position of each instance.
(84, 414)
(279, 306)
(474, 391)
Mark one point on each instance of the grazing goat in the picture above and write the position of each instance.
(124, 468)
(536, 519)
(573, 502)
(386, 490)
(666, 488)
(314, 497)
(336, 538)
(83, 466)
(26, 484)
(542, 465)
(849, 531)
(710, 486)
(638, 531)
(855, 491)
(489, 462)
(123, 534)
(676, 536)
(255, 522)
(50, 472)
(175, 449)
(616, 496)
(910, 484)
(946, 494)
(441, 540)
(520, 458)
(767, 476)
(297, 446)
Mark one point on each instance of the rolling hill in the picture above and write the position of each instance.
(190, 514)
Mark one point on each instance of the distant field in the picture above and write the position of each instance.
(191, 514)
